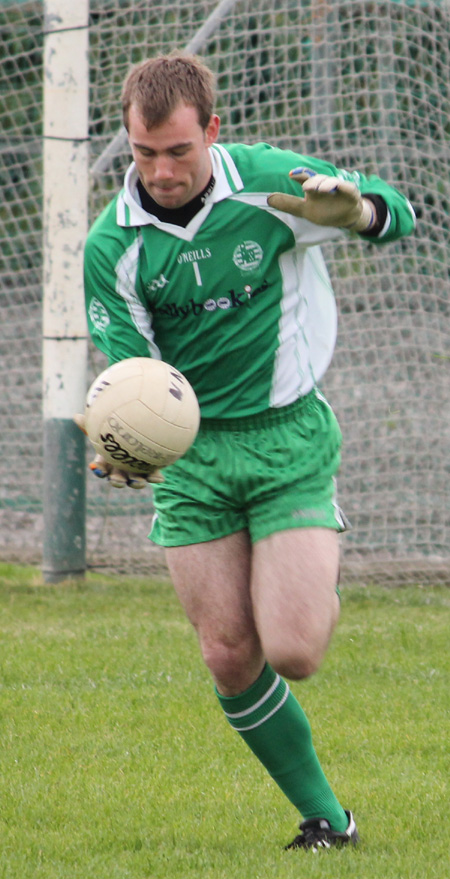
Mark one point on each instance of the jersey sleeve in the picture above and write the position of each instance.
(118, 322)
(399, 219)
(397, 214)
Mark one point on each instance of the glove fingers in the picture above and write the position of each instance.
(300, 175)
(328, 201)
(323, 185)
(135, 481)
(121, 478)
(155, 477)
(291, 204)
(99, 467)
(118, 479)
(138, 481)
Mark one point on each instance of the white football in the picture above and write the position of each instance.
(140, 414)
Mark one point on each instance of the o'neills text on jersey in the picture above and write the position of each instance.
(194, 255)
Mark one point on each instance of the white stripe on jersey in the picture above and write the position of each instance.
(230, 165)
(307, 326)
(126, 271)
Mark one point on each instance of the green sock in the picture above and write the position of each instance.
(275, 727)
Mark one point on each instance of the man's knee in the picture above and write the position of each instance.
(234, 665)
(297, 652)
(296, 664)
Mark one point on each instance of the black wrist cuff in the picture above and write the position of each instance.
(382, 212)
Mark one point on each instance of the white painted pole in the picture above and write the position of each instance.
(65, 220)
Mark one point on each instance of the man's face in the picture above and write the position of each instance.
(172, 159)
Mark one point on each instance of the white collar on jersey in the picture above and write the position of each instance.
(228, 182)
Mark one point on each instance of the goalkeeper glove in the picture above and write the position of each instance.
(118, 478)
(327, 201)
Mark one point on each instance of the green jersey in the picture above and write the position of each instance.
(240, 299)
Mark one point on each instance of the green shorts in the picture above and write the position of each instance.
(264, 473)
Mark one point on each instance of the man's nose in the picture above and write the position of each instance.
(163, 168)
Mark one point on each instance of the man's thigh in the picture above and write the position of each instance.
(212, 581)
(295, 604)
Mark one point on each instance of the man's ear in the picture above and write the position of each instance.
(212, 130)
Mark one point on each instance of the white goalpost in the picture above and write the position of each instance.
(65, 221)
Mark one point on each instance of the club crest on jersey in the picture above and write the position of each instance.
(248, 256)
(98, 315)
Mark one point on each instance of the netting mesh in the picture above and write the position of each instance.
(362, 84)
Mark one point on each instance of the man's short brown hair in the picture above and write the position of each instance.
(156, 87)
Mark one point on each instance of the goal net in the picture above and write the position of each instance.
(362, 84)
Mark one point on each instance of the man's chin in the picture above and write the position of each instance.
(168, 200)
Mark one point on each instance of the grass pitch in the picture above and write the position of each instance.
(118, 764)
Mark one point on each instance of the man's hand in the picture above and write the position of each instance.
(118, 478)
(327, 201)
(121, 478)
